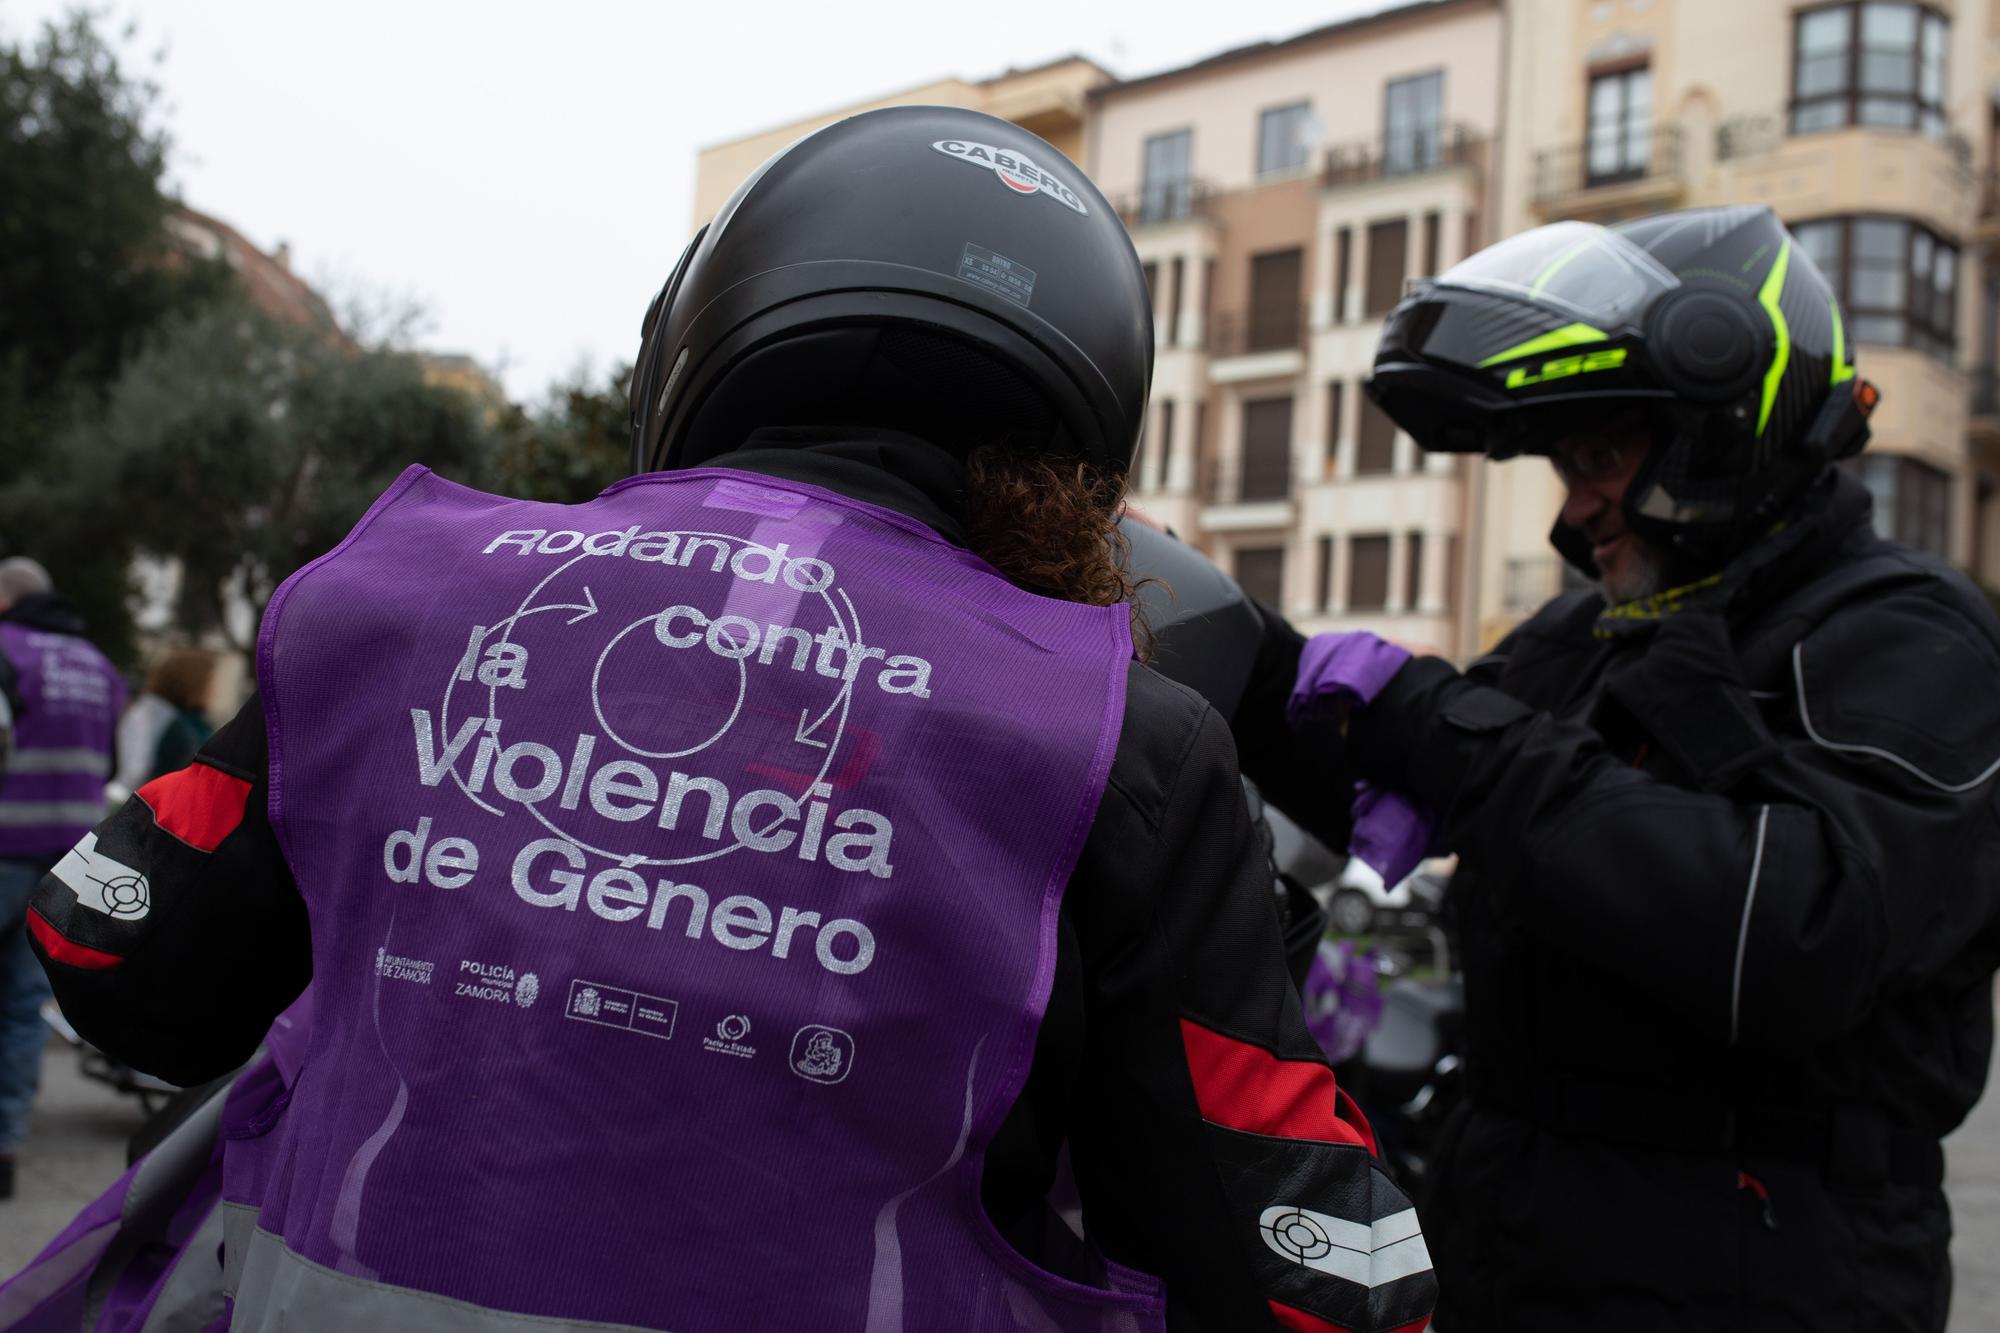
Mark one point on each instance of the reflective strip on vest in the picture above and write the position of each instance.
(58, 761)
(192, 1300)
(49, 814)
(239, 1228)
(282, 1290)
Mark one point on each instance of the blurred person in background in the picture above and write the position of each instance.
(51, 792)
(1729, 882)
(882, 414)
(168, 721)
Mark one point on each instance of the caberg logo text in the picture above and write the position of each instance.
(1015, 170)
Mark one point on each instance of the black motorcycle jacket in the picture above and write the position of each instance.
(1173, 1061)
(1729, 913)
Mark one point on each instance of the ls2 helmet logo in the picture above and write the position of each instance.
(1015, 170)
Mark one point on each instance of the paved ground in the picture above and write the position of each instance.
(76, 1147)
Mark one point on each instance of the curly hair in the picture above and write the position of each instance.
(1050, 525)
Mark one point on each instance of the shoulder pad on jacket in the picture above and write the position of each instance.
(1909, 681)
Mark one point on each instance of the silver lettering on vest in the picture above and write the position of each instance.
(864, 947)
(431, 767)
(740, 922)
(568, 882)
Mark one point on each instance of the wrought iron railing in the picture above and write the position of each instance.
(1248, 479)
(1433, 149)
(1653, 154)
(1273, 328)
(1172, 201)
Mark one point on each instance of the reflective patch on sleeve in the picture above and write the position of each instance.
(64, 951)
(1330, 1237)
(201, 805)
(102, 883)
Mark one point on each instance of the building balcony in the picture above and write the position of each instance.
(1161, 205)
(1578, 180)
(1265, 342)
(1856, 169)
(1243, 495)
(1450, 148)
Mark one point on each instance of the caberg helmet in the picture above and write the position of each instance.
(929, 269)
(1711, 323)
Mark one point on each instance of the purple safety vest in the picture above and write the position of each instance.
(683, 871)
(52, 790)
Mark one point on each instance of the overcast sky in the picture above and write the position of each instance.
(525, 171)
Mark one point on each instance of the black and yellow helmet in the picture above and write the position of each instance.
(1711, 322)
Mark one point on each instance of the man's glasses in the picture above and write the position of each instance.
(1596, 460)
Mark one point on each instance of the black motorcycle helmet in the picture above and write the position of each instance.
(1712, 323)
(929, 269)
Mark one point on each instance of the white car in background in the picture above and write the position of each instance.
(1358, 902)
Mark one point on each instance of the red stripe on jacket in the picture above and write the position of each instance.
(1301, 1322)
(64, 951)
(201, 805)
(1241, 1086)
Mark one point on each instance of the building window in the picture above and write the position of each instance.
(1267, 449)
(1388, 262)
(1200, 442)
(1343, 271)
(1166, 450)
(1618, 144)
(1176, 277)
(1260, 570)
(1912, 501)
(1336, 395)
(1879, 62)
(1897, 281)
(1375, 446)
(1413, 572)
(1323, 598)
(1281, 138)
(1433, 224)
(1166, 191)
(1275, 279)
(1368, 573)
(1412, 123)
(1451, 571)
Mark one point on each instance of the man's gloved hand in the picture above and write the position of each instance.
(1339, 670)
(1392, 833)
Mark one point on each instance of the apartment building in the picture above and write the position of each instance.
(1049, 100)
(1869, 126)
(1281, 196)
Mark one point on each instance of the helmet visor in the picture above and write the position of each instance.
(1596, 276)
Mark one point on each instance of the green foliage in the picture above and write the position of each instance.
(244, 448)
(574, 446)
(86, 264)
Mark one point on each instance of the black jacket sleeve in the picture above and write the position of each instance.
(187, 989)
(1807, 864)
(1304, 771)
(1203, 1102)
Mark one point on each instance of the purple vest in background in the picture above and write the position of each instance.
(683, 870)
(52, 791)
